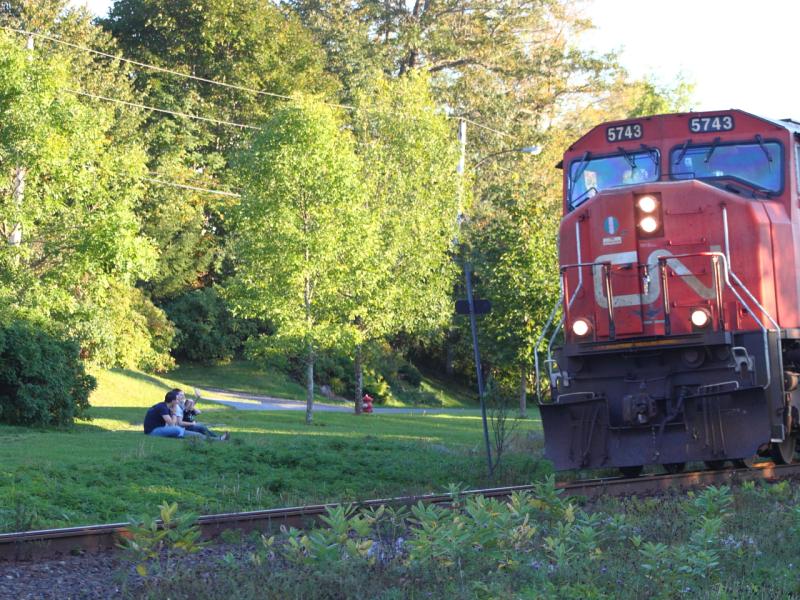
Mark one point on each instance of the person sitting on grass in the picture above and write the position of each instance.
(185, 412)
(160, 420)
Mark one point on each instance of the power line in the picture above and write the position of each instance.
(497, 131)
(162, 110)
(157, 68)
(190, 187)
(57, 40)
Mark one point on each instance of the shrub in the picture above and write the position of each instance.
(207, 330)
(42, 378)
(410, 374)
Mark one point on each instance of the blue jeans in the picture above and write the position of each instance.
(200, 429)
(172, 431)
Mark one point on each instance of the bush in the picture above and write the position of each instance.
(42, 378)
(207, 330)
(410, 374)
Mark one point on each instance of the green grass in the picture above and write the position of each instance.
(241, 376)
(252, 378)
(106, 469)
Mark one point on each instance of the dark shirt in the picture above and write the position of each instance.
(155, 416)
(190, 415)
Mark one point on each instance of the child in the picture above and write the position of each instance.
(190, 411)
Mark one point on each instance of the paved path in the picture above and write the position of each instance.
(256, 402)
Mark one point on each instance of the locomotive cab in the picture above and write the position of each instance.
(679, 336)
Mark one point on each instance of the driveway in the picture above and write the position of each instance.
(242, 401)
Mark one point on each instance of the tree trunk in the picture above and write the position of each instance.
(523, 392)
(450, 356)
(310, 385)
(359, 372)
(18, 194)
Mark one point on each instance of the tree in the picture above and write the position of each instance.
(409, 156)
(78, 251)
(247, 44)
(303, 234)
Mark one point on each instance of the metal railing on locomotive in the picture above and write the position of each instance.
(721, 275)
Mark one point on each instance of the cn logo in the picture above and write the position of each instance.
(654, 289)
(611, 225)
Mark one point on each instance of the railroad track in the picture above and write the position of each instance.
(48, 543)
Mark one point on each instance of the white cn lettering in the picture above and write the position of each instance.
(654, 289)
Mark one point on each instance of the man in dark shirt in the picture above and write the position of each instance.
(161, 421)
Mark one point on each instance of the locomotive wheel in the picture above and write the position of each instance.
(783, 453)
(631, 471)
(673, 468)
(715, 465)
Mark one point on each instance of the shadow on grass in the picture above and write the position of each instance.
(144, 377)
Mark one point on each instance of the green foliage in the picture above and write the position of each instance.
(409, 159)
(303, 231)
(207, 331)
(535, 545)
(42, 378)
(80, 251)
(154, 541)
(245, 43)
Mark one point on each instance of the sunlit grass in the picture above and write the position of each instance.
(105, 469)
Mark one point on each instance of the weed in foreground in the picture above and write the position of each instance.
(535, 545)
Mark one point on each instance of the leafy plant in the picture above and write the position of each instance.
(42, 378)
(153, 541)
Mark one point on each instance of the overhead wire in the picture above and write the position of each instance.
(144, 65)
(152, 67)
(190, 115)
(481, 126)
(162, 110)
(191, 187)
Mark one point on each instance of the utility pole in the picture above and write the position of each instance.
(462, 139)
(473, 325)
(462, 159)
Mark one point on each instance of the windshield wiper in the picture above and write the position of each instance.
(682, 153)
(628, 157)
(714, 145)
(582, 165)
(763, 147)
(652, 152)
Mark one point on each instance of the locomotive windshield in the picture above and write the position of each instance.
(758, 164)
(589, 175)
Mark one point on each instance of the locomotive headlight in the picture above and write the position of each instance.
(700, 317)
(648, 224)
(647, 204)
(581, 327)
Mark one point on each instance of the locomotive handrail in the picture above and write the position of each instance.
(765, 331)
(728, 276)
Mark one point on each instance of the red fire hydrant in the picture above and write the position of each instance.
(367, 403)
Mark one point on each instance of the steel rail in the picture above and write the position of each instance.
(48, 543)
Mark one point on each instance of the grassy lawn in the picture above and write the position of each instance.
(249, 377)
(106, 469)
(241, 376)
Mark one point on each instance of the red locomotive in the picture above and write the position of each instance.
(679, 250)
